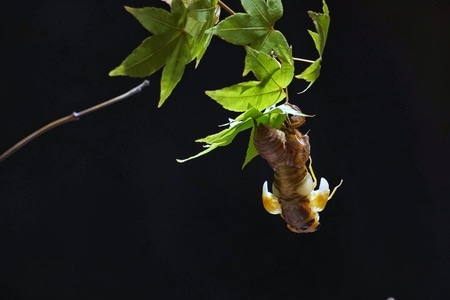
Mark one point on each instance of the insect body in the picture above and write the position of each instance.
(287, 150)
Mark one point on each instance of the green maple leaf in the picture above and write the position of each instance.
(226, 136)
(321, 23)
(244, 28)
(268, 90)
(256, 28)
(178, 38)
(202, 15)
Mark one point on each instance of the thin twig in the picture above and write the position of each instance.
(75, 116)
(226, 7)
(304, 60)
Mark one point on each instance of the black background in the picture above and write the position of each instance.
(100, 209)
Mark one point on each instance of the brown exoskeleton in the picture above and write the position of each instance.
(287, 150)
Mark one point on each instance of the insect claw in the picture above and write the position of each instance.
(270, 201)
(335, 188)
(320, 197)
(323, 185)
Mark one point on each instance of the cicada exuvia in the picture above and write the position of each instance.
(293, 195)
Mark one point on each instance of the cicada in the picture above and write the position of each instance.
(287, 151)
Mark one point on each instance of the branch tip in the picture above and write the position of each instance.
(75, 116)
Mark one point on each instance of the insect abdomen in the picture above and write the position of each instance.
(292, 183)
(269, 142)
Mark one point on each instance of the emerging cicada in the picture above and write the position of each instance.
(287, 150)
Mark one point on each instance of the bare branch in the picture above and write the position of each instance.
(75, 116)
(226, 8)
(304, 60)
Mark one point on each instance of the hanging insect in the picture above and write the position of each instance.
(287, 150)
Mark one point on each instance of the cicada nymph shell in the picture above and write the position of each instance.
(287, 150)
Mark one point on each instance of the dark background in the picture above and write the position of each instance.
(99, 209)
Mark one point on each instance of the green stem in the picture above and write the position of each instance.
(75, 116)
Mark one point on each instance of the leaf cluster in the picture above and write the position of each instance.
(178, 37)
(183, 34)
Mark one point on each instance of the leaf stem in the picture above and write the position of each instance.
(287, 94)
(304, 60)
(75, 116)
(226, 8)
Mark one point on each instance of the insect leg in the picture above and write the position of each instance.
(335, 188)
(311, 171)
